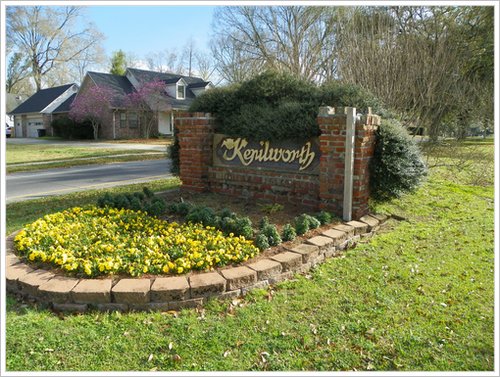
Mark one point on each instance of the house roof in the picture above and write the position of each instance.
(65, 107)
(143, 76)
(40, 100)
(120, 85)
(200, 84)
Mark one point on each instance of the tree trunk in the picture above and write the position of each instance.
(95, 126)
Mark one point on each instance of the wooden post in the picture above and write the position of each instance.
(349, 162)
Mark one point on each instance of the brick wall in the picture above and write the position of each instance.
(195, 154)
(324, 190)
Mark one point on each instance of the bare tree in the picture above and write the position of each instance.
(162, 61)
(295, 39)
(415, 59)
(48, 37)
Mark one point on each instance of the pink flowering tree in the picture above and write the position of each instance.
(147, 101)
(92, 105)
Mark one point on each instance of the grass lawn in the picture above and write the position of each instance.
(50, 156)
(417, 297)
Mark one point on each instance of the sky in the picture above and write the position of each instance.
(141, 29)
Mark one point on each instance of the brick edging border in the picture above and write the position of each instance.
(177, 292)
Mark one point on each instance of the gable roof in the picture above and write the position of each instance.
(120, 85)
(65, 107)
(40, 100)
(146, 76)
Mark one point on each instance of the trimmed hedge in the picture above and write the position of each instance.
(277, 106)
(397, 165)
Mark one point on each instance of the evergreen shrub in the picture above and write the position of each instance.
(397, 165)
(288, 233)
(145, 201)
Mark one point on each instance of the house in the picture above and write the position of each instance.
(32, 118)
(123, 122)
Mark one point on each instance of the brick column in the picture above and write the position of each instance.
(332, 144)
(331, 169)
(364, 149)
(195, 133)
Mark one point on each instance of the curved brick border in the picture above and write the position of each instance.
(177, 292)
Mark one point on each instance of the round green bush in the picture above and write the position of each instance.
(261, 242)
(288, 233)
(273, 237)
(397, 166)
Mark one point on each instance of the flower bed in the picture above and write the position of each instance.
(101, 241)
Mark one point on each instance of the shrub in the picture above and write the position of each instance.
(138, 201)
(313, 222)
(324, 217)
(261, 242)
(240, 226)
(181, 208)
(102, 241)
(305, 222)
(301, 224)
(288, 233)
(69, 129)
(273, 237)
(397, 165)
(277, 106)
(202, 215)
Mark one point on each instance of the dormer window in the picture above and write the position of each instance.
(181, 91)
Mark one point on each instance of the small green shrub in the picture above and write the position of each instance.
(301, 224)
(240, 226)
(397, 166)
(155, 207)
(261, 242)
(313, 222)
(182, 208)
(272, 234)
(288, 233)
(324, 217)
(305, 222)
(138, 201)
(203, 215)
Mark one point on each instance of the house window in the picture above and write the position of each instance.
(181, 91)
(123, 119)
(132, 120)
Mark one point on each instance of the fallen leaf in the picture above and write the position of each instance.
(263, 356)
(150, 358)
(176, 358)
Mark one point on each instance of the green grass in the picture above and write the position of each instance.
(49, 156)
(418, 296)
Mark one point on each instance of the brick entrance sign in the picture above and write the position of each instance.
(330, 172)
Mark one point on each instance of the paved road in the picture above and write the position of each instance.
(43, 183)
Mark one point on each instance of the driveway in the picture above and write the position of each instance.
(87, 143)
(44, 183)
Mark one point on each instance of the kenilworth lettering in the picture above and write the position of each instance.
(238, 149)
